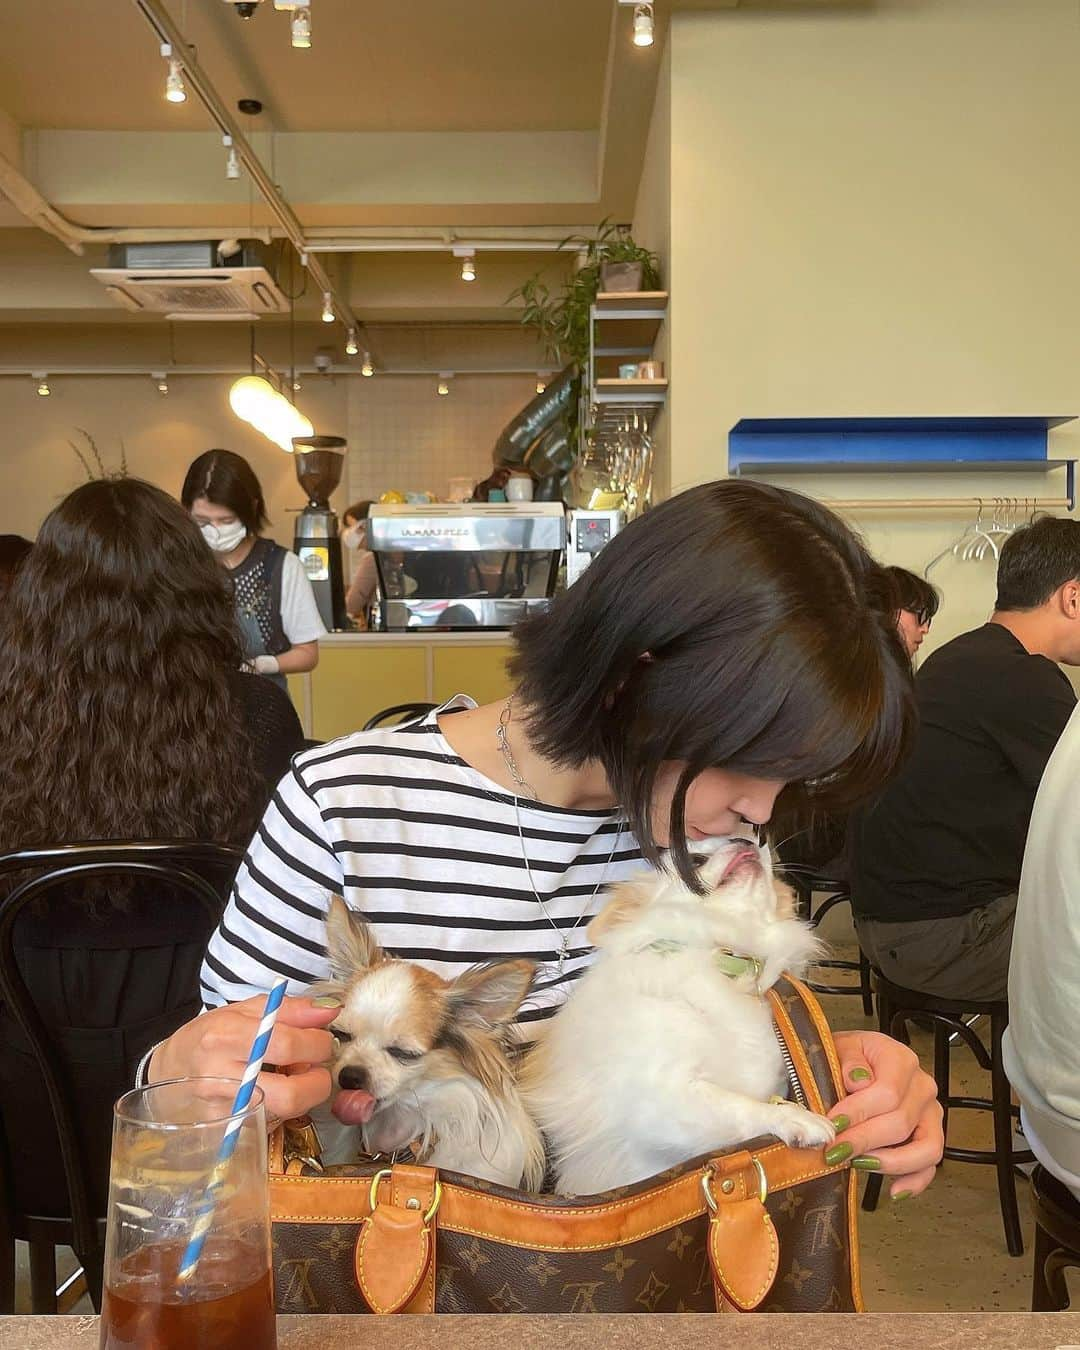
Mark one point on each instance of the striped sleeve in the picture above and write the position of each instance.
(274, 923)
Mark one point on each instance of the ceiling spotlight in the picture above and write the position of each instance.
(296, 385)
(351, 349)
(368, 368)
(174, 81)
(327, 307)
(42, 382)
(161, 379)
(232, 164)
(643, 25)
(468, 266)
(443, 387)
(301, 26)
(541, 381)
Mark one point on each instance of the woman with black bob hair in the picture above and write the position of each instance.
(723, 649)
(279, 619)
(123, 715)
(916, 603)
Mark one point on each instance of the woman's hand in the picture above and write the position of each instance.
(890, 1121)
(216, 1044)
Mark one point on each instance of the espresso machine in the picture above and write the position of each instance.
(464, 565)
(589, 532)
(319, 461)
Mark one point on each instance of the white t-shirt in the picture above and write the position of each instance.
(428, 849)
(1042, 1042)
(300, 616)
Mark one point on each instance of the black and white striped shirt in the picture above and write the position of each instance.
(428, 849)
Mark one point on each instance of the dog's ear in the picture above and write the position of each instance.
(626, 903)
(350, 941)
(490, 995)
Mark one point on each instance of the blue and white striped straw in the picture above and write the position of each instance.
(205, 1216)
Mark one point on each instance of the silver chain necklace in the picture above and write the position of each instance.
(512, 769)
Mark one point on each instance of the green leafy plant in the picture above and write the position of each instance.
(561, 319)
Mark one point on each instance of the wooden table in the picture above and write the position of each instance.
(809, 1331)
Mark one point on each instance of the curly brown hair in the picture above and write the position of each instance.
(118, 658)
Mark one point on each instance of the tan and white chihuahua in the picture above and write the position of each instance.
(666, 1049)
(424, 1061)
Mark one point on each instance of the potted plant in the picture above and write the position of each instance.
(610, 260)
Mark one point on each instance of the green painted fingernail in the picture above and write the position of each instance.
(838, 1153)
(859, 1075)
(867, 1164)
(841, 1123)
(901, 1195)
(327, 1001)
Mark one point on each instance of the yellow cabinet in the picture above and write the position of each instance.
(478, 671)
(358, 676)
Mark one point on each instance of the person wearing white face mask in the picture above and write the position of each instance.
(276, 609)
(364, 586)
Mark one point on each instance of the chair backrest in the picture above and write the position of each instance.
(178, 863)
(400, 712)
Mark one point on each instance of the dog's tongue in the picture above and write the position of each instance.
(353, 1108)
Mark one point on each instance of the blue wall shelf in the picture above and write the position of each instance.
(762, 446)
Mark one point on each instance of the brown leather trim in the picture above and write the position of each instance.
(817, 1016)
(531, 1224)
(744, 1250)
(276, 1150)
(853, 1240)
(797, 1052)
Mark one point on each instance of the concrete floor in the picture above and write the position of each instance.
(945, 1250)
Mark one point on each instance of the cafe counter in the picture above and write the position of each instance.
(359, 674)
(774, 1331)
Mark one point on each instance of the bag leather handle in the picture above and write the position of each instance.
(744, 1250)
(395, 1252)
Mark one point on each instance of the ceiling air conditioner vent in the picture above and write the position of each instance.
(186, 282)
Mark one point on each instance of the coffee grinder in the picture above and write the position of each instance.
(319, 461)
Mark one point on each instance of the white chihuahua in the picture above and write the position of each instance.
(666, 1049)
(423, 1061)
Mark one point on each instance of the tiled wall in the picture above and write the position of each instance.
(403, 435)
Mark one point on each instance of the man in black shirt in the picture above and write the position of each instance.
(937, 856)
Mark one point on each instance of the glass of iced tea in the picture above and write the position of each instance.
(166, 1141)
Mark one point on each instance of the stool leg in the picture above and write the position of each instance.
(1003, 1129)
(864, 984)
(1042, 1299)
(872, 1194)
(42, 1276)
(941, 1073)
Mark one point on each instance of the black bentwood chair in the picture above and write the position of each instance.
(400, 712)
(181, 869)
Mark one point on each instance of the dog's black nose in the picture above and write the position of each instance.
(354, 1079)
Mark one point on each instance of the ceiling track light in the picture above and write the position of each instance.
(42, 382)
(351, 347)
(301, 27)
(643, 25)
(468, 262)
(368, 368)
(327, 307)
(232, 163)
(443, 387)
(174, 81)
(161, 379)
(541, 381)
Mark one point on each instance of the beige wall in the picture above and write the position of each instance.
(652, 229)
(403, 435)
(162, 435)
(876, 214)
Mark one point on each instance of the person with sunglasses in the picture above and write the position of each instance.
(919, 603)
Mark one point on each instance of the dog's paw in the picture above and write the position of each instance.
(801, 1128)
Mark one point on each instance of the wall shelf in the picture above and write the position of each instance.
(896, 445)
